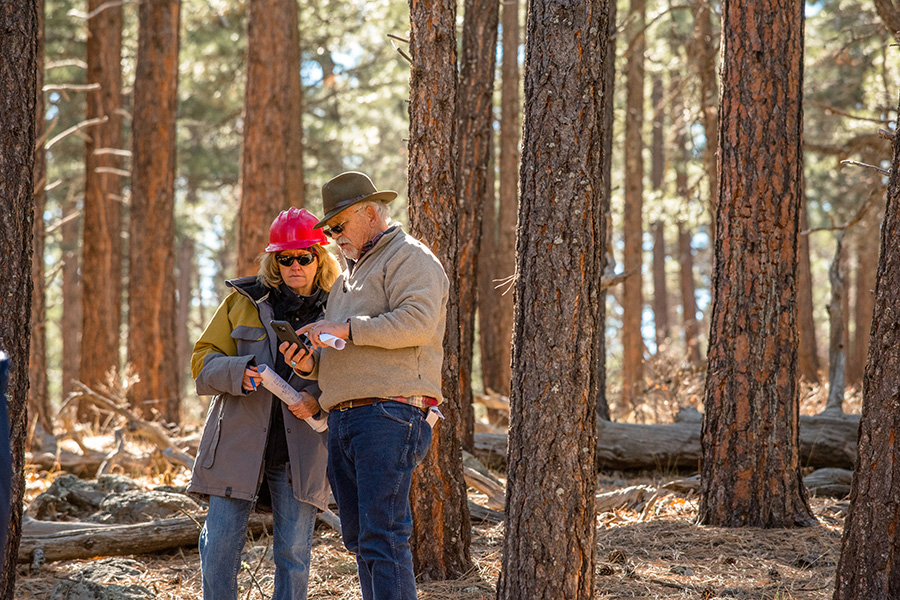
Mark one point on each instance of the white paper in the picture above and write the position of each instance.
(333, 341)
(278, 386)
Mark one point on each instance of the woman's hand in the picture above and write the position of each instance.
(299, 359)
(306, 408)
(251, 379)
(314, 330)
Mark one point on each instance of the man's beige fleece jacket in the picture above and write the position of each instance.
(396, 300)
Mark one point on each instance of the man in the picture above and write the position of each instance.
(390, 308)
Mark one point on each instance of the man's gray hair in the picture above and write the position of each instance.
(381, 209)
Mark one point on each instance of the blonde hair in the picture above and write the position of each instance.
(327, 269)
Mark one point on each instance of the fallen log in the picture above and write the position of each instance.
(825, 441)
(830, 483)
(87, 540)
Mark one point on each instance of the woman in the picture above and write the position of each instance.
(255, 449)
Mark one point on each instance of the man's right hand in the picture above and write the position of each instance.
(300, 359)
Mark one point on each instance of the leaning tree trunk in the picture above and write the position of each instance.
(18, 89)
(837, 351)
(549, 548)
(151, 288)
(101, 262)
(869, 567)
(632, 296)
(750, 472)
(704, 54)
(273, 154)
(441, 532)
(475, 137)
(38, 394)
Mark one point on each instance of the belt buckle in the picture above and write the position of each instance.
(345, 406)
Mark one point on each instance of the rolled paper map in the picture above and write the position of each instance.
(333, 341)
(278, 386)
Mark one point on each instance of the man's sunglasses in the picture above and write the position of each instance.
(336, 230)
(304, 259)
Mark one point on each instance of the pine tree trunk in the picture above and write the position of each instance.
(475, 137)
(660, 295)
(632, 297)
(71, 297)
(271, 170)
(868, 565)
(657, 146)
(808, 354)
(837, 350)
(185, 287)
(688, 295)
(18, 91)
(101, 261)
(441, 532)
(750, 472)
(608, 263)
(865, 280)
(38, 394)
(704, 53)
(549, 548)
(497, 376)
(151, 289)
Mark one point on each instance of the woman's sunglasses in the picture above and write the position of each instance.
(304, 259)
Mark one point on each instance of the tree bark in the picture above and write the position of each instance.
(657, 146)
(441, 534)
(71, 296)
(632, 296)
(272, 162)
(890, 15)
(151, 289)
(660, 295)
(837, 354)
(18, 92)
(497, 345)
(185, 287)
(750, 473)
(688, 297)
(868, 567)
(808, 352)
(558, 324)
(704, 53)
(607, 107)
(101, 262)
(38, 394)
(475, 137)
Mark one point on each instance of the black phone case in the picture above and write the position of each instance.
(286, 333)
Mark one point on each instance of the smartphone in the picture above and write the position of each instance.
(286, 333)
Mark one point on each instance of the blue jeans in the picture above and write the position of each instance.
(372, 451)
(225, 531)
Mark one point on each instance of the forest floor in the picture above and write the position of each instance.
(653, 550)
(656, 552)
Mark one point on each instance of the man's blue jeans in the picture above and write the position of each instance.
(225, 531)
(372, 451)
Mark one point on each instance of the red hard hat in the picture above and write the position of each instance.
(293, 229)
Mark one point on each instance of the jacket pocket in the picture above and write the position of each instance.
(209, 457)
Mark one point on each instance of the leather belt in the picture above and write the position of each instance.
(348, 404)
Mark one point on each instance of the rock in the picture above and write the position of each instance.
(137, 506)
(103, 580)
(70, 498)
(682, 570)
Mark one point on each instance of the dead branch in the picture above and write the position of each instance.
(856, 163)
(398, 38)
(71, 87)
(888, 135)
(86, 16)
(606, 283)
(75, 129)
(839, 112)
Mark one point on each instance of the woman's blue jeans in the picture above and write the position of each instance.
(225, 531)
(372, 451)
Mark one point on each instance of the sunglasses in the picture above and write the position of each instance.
(304, 259)
(338, 229)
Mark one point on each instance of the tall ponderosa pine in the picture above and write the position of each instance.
(272, 167)
(808, 354)
(750, 440)
(38, 393)
(475, 137)
(101, 262)
(704, 58)
(549, 548)
(18, 89)
(632, 295)
(495, 300)
(151, 287)
(869, 566)
(441, 531)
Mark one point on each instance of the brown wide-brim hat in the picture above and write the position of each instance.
(348, 189)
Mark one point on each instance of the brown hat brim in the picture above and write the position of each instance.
(382, 196)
